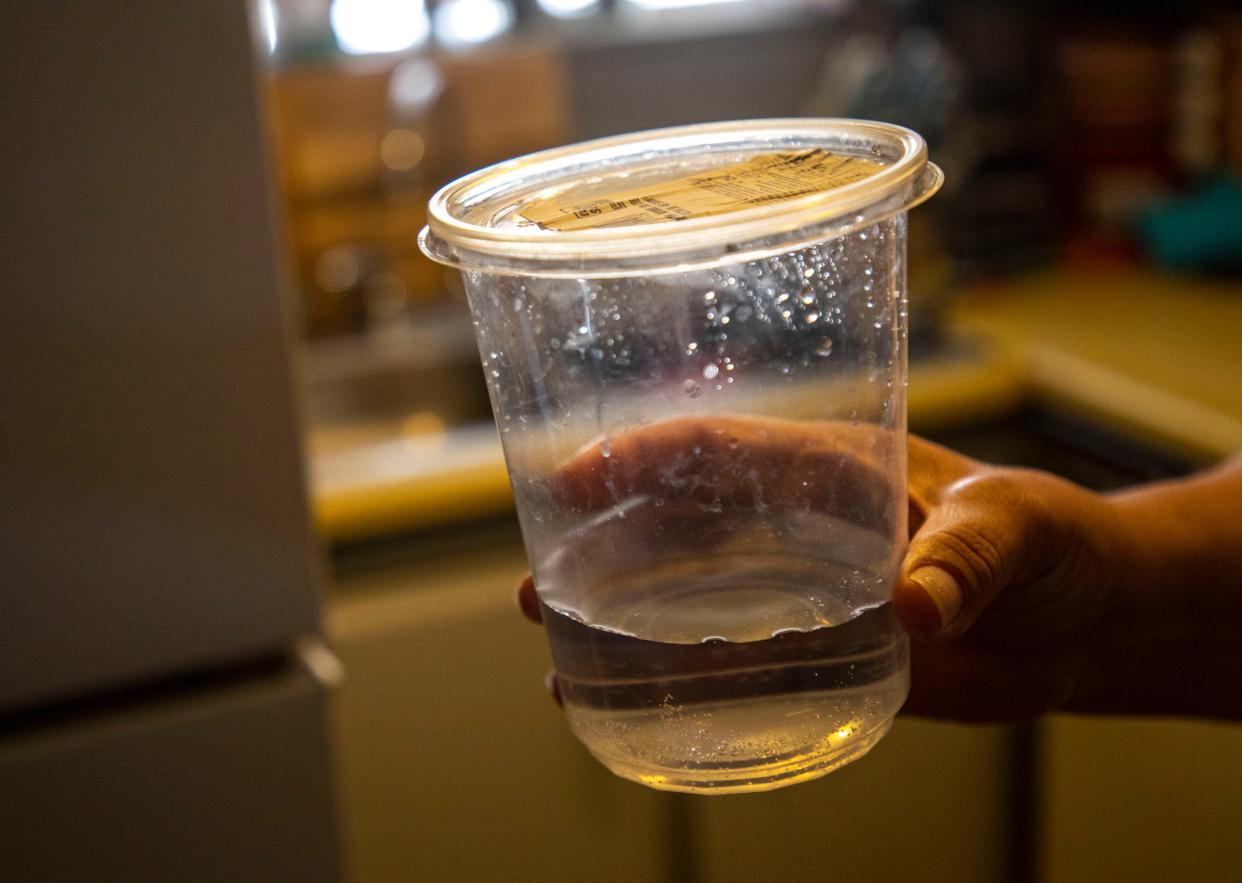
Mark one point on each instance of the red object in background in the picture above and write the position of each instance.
(1113, 157)
(1089, 250)
(1231, 31)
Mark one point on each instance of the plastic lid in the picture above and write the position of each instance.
(533, 215)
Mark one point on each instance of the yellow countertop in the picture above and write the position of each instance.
(1157, 357)
(1153, 356)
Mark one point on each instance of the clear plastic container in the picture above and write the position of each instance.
(694, 341)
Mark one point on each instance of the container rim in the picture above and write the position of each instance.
(905, 180)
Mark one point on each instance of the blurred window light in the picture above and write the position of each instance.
(337, 270)
(367, 27)
(677, 4)
(401, 149)
(467, 22)
(268, 23)
(416, 84)
(569, 8)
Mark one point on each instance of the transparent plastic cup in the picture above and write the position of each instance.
(694, 341)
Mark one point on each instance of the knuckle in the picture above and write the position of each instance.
(977, 558)
(992, 486)
(1014, 499)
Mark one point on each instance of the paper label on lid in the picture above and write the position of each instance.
(760, 180)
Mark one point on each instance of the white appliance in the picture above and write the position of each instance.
(159, 580)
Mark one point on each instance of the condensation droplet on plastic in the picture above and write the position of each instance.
(710, 370)
(811, 317)
(782, 297)
(692, 389)
(691, 348)
(555, 343)
(824, 348)
(807, 299)
(744, 312)
(808, 273)
(709, 297)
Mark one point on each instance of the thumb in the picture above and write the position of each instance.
(973, 544)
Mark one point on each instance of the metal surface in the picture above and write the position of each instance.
(154, 504)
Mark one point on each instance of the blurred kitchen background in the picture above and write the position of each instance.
(1072, 309)
(1076, 305)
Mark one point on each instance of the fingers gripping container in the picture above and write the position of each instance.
(694, 341)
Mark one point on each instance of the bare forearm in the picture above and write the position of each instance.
(1173, 639)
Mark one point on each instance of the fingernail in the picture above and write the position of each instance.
(943, 589)
(553, 686)
(527, 602)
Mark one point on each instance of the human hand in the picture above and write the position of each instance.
(1009, 572)
(1006, 585)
